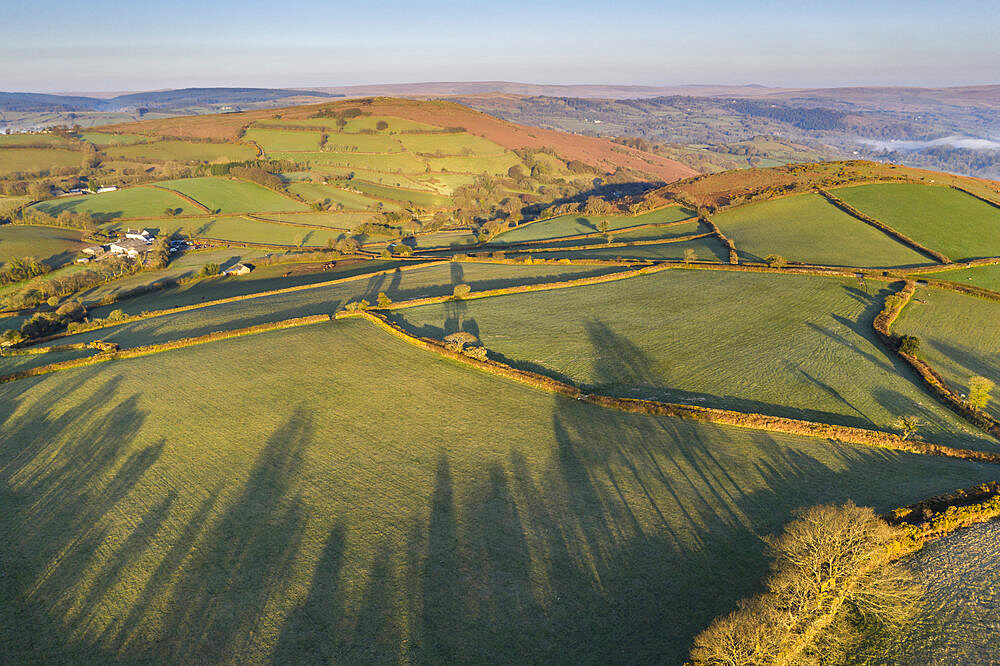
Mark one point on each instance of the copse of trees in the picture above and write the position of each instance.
(21, 268)
(831, 578)
(40, 290)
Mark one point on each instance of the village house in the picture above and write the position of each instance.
(144, 235)
(93, 249)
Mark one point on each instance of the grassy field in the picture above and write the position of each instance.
(400, 285)
(959, 336)
(362, 143)
(944, 219)
(13, 160)
(10, 364)
(444, 239)
(123, 204)
(795, 346)
(445, 183)
(450, 144)
(426, 199)
(225, 195)
(646, 234)
(338, 220)
(395, 124)
(183, 151)
(705, 249)
(245, 230)
(809, 229)
(13, 140)
(314, 532)
(330, 194)
(571, 225)
(961, 613)
(104, 139)
(403, 162)
(274, 140)
(54, 246)
(492, 164)
(987, 277)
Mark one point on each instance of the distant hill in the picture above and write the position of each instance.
(163, 100)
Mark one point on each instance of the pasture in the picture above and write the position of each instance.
(809, 229)
(133, 202)
(987, 277)
(942, 218)
(333, 196)
(30, 160)
(403, 162)
(336, 220)
(396, 125)
(415, 197)
(274, 140)
(574, 224)
(53, 245)
(104, 139)
(34, 140)
(226, 195)
(705, 249)
(182, 151)
(362, 143)
(796, 346)
(491, 164)
(450, 144)
(959, 336)
(245, 230)
(541, 537)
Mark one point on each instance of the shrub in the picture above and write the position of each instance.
(458, 341)
(775, 260)
(383, 300)
(209, 269)
(461, 291)
(910, 345)
(478, 353)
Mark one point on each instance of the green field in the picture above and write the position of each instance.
(415, 283)
(16, 160)
(427, 199)
(362, 143)
(446, 183)
(403, 162)
(313, 531)
(11, 364)
(335, 220)
(53, 245)
(274, 140)
(705, 249)
(444, 239)
(793, 346)
(959, 336)
(233, 196)
(450, 144)
(245, 230)
(491, 164)
(943, 219)
(395, 124)
(183, 151)
(9, 140)
(122, 204)
(645, 234)
(104, 139)
(809, 229)
(987, 277)
(331, 195)
(574, 224)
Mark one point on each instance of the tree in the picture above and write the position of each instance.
(209, 269)
(383, 300)
(690, 255)
(979, 392)
(461, 291)
(906, 425)
(348, 246)
(381, 126)
(459, 340)
(828, 560)
(775, 261)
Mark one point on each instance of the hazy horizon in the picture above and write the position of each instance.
(109, 47)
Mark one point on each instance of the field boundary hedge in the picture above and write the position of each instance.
(146, 350)
(734, 256)
(882, 226)
(601, 246)
(995, 204)
(846, 434)
(191, 200)
(301, 225)
(233, 299)
(593, 234)
(934, 381)
(523, 288)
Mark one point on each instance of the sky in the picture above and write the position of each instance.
(102, 45)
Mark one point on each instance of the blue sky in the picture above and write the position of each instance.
(102, 45)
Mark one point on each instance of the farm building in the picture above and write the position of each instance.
(144, 235)
(93, 249)
(238, 269)
(130, 247)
